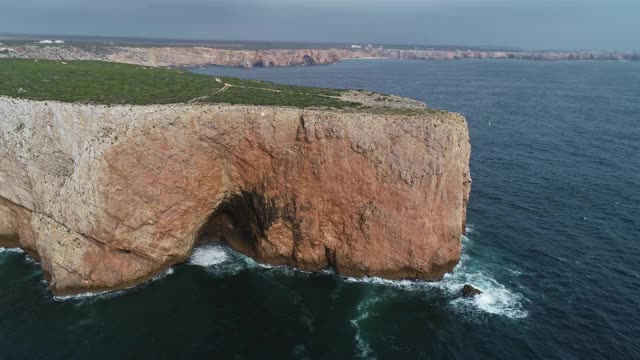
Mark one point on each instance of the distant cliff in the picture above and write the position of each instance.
(188, 56)
(196, 56)
(521, 55)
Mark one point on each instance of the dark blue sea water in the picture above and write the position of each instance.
(553, 241)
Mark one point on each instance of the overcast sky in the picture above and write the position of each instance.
(531, 24)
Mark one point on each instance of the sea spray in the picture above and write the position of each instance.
(495, 298)
(208, 255)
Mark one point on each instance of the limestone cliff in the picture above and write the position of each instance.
(189, 55)
(108, 196)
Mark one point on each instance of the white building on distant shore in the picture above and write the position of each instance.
(51, 42)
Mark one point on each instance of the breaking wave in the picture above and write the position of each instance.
(208, 255)
(495, 298)
(14, 251)
(220, 260)
(11, 250)
(103, 295)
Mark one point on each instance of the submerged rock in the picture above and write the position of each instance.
(470, 291)
(109, 196)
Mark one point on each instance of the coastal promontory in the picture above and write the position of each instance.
(112, 173)
(184, 56)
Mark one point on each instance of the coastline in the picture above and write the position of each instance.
(190, 56)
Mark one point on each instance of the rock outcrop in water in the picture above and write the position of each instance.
(108, 196)
(469, 291)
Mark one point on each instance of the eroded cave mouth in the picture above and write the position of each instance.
(308, 60)
(241, 221)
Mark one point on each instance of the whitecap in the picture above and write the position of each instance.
(515, 272)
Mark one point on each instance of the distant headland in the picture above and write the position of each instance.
(184, 53)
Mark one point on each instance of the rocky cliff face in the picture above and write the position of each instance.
(519, 55)
(192, 56)
(189, 56)
(108, 196)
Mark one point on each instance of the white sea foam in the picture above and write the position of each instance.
(101, 295)
(495, 298)
(364, 350)
(219, 260)
(514, 272)
(91, 295)
(11, 250)
(469, 229)
(208, 255)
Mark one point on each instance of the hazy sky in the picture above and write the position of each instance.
(532, 24)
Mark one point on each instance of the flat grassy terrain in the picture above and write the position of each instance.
(96, 82)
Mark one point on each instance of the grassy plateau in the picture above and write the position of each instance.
(96, 82)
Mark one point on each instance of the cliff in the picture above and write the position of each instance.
(107, 196)
(188, 55)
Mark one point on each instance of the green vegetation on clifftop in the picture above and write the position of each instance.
(96, 82)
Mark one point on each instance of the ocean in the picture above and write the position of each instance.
(553, 241)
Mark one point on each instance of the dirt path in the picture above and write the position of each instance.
(227, 86)
(222, 89)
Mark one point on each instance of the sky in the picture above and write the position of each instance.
(528, 24)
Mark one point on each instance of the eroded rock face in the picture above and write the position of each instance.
(108, 196)
(189, 55)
